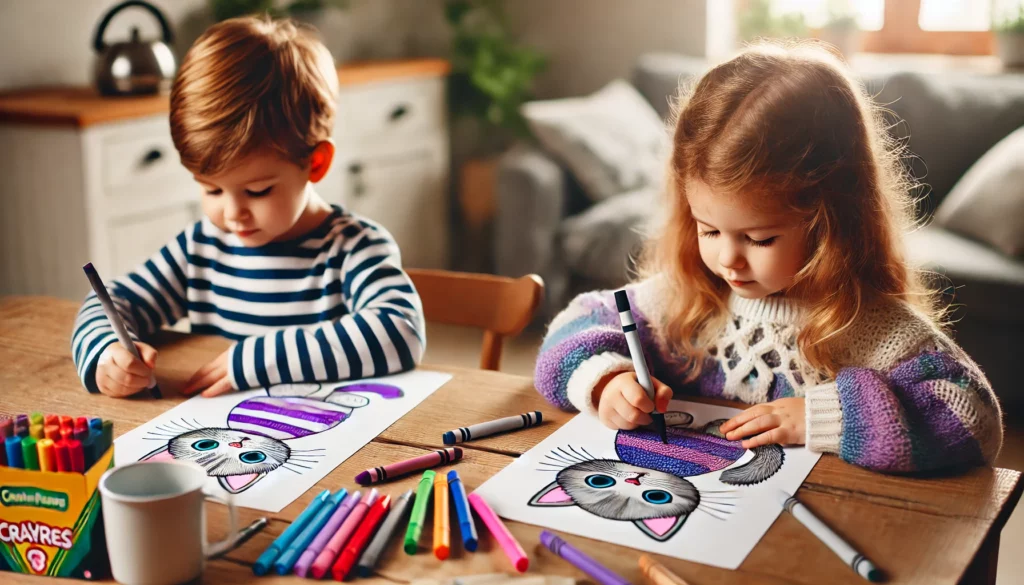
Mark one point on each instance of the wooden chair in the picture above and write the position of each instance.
(501, 306)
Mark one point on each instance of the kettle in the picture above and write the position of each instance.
(134, 67)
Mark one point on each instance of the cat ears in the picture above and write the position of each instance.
(231, 483)
(660, 529)
(551, 496)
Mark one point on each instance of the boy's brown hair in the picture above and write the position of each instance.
(251, 84)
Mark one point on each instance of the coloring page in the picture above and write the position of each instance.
(268, 446)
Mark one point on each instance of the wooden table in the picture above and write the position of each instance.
(925, 530)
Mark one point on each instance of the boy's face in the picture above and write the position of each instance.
(756, 253)
(260, 199)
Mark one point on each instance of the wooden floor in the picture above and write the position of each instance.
(460, 347)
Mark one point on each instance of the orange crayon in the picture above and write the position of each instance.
(47, 455)
(442, 531)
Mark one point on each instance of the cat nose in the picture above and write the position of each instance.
(635, 480)
(236, 445)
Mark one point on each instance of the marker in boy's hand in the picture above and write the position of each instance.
(622, 403)
(213, 377)
(120, 374)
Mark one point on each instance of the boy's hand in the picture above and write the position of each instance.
(120, 374)
(213, 376)
(622, 403)
(780, 421)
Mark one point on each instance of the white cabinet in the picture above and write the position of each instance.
(113, 192)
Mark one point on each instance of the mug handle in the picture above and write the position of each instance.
(221, 547)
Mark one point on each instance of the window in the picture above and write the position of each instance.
(955, 15)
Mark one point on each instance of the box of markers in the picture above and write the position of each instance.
(50, 520)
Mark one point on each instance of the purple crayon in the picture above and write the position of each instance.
(575, 557)
(393, 470)
(325, 534)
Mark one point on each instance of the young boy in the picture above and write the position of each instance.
(308, 291)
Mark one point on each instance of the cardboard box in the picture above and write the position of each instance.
(50, 523)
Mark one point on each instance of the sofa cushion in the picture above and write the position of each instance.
(985, 281)
(602, 243)
(987, 203)
(612, 141)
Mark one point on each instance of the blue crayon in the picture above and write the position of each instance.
(13, 447)
(96, 424)
(270, 555)
(467, 528)
(295, 549)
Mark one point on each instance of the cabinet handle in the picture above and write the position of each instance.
(151, 157)
(399, 112)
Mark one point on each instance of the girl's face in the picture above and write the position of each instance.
(261, 199)
(756, 253)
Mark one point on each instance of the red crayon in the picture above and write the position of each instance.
(393, 470)
(51, 419)
(357, 543)
(67, 433)
(77, 456)
(52, 432)
(81, 422)
(66, 422)
(6, 428)
(63, 457)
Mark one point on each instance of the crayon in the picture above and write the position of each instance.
(393, 470)
(115, 320)
(333, 548)
(36, 432)
(598, 572)
(442, 529)
(67, 433)
(266, 560)
(52, 432)
(62, 456)
(486, 429)
(286, 561)
(636, 353)
(858, 562)
(243, 536)
(108, 436)
(3, 451)
(419, 512)
(81, 431)
(67, 422)
(47, 455)
(77, 456)
(657, 574)
(325, 534)
(89, 449)
(6, 428)
(368, 562)
(14, 456)
(36, 418)
(357, 543)
(96, 424)
(467, 527)
(51, 419)
(508, 543)
(29, 454)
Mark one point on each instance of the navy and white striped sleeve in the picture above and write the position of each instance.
(380, 331)
(147, 298)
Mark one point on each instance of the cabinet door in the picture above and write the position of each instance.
(134, 239)
(406, 192)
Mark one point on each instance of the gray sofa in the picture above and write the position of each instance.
(954, 120)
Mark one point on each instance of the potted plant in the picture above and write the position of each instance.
(1010, 36)
(841, 28)
(492, 76)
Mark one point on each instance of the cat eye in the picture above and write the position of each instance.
(252, 457)
(657, 497)
(205, 445)
(600, 481)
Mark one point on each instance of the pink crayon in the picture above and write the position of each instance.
(393, 470)
(513, 550)
(333, 548)
(325, 534)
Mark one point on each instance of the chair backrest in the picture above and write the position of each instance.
(501, 306)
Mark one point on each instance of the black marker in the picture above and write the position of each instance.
(636, 351)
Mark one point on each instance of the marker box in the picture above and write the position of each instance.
(51, 523)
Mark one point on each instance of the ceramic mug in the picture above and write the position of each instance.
(155, 520)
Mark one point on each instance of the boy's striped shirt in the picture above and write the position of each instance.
(331, 305)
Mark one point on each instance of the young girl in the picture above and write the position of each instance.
(779, 278)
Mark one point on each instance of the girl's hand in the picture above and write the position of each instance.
(120, 374)
(622, 403)
(780, 421)
(213, 376)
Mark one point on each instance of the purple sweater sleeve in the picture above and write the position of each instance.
(928, 412)
(587, 328)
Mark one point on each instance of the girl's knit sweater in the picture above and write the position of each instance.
(908, 399)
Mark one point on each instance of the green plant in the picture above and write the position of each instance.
(492, 76)
(225, 9)
(841, 16)
(758, 21)
(1011, 23)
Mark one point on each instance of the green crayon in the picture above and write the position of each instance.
(419, 512)
(30, 453)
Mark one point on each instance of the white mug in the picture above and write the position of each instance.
(155, 520)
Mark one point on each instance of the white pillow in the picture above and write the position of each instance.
(987, 203)
(612, 141)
